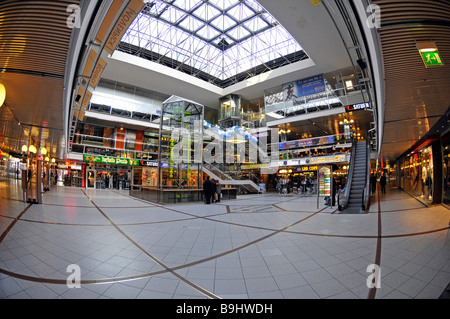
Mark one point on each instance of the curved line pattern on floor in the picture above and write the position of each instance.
(173, 270)
(150, 274)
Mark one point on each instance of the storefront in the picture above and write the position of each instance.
(10, 166)
(145, 175)
(445, 169)
(417, 174)
(108, 172)
(70, 173)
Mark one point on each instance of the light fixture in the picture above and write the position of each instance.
(43, 151)
(53, 160)
(47, 159)
(33, 149)
(24, 149)
(428, 50)
(2, 94)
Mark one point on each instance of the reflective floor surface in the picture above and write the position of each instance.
(255, 247)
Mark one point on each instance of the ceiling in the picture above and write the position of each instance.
(222, 42)
(308, 24)
(34, 41)
(416, 97)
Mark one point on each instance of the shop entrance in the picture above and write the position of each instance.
(90, 174)
(108, 178)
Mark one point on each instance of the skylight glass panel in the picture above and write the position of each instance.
(224, 4)
(222, 38)
(239, 33)
(223, 22)
(241, 12)
(191, 23)
(187, 5)
(157, 8)
(172, 14)
(208, 32)
(255, 24)
(206, 12)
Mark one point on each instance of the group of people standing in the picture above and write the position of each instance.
(212, 190)
(373, 182)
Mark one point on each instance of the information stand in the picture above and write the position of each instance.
(325, 183)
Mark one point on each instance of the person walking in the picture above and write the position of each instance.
(383, 183)
(213, 191)
(373, 182)
(218, 191)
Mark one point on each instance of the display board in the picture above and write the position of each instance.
(325, 181)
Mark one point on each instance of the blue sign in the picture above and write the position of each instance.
(305, 87)
(310, 86)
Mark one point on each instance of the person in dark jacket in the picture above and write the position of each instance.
(208, 189)
(383, 183)
(373, 182)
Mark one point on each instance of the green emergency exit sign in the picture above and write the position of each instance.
(432, 58)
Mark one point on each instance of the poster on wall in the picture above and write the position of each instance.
(149, 176)
(305, 87)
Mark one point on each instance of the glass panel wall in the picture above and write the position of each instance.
(177, 168)
(445, 170)
(417, 174)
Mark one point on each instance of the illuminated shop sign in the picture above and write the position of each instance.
(109, 160)
(307, 169)
(148, 163)
(330, 159)
(308, 142)
(255, 166)
(357, 107)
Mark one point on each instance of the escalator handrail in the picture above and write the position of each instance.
(367, 187)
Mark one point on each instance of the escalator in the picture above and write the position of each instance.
(354, 196)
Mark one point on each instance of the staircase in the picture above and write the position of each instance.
(225, 179)
(355, 200)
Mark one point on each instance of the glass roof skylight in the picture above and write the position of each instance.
(221, 38)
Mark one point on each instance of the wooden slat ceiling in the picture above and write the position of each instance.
(416, 97)
(34, 35)
(34, 42)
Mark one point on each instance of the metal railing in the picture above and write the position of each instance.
(329, 99)
(366, 192)
(226, 179)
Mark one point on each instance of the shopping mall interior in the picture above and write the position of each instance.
(224, 149)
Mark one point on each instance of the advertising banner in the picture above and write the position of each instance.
(307, 142)
(305, 87)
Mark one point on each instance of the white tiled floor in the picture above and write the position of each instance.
(260, 246)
